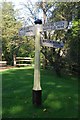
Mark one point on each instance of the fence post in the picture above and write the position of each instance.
(14, 58)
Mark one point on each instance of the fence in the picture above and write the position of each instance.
(3, 63)
(23, 61)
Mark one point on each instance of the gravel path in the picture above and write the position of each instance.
(6, 68)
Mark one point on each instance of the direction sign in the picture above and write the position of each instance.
(30, 30)
(26, 31)
(55, 25)
(51, 43)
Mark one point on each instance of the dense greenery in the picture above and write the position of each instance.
(70, 38)
(59, 95)
(10, 28)
(12, 43)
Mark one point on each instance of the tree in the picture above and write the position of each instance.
(0, 33)
(10, 26)
(69, 12)
(12, 43)
(64, 11)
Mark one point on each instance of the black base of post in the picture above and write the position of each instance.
(37, 101)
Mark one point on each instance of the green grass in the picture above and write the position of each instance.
(59, 95)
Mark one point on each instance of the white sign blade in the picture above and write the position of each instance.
(60, 25)
(47, 44)
(55, 25)
(27, 31)
(51, 43)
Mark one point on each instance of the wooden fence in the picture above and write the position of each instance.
(23, 61)
(3, 63)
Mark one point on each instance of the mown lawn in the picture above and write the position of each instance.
(59, 95)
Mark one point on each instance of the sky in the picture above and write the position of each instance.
(23, 13)
(18, 1)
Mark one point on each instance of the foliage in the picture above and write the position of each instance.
(70, 36)
(10, 28)
(27, 48)
(12, 43)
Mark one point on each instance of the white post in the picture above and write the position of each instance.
(37, 87)
(14, 58)
(37, 59)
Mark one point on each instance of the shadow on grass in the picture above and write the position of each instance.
(59, 95)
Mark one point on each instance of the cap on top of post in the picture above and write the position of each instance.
(38, 21)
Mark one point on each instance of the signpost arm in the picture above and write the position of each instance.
(37, 88)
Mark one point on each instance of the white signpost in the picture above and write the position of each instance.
(51, 43)
(36, 87)
(31, 31)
